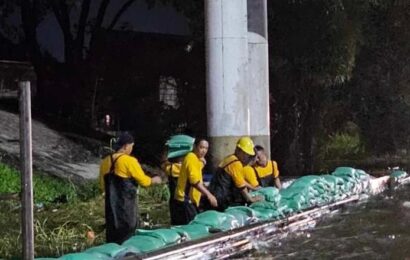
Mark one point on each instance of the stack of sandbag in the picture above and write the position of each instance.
(305, 192)
(355, 181)
(314, 190)
(269, 208)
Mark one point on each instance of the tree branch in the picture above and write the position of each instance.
(101, 14)
(61, 13)
(120, 12)
(99, 20)
(85, 8)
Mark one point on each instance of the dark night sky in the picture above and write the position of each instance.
(160, 19)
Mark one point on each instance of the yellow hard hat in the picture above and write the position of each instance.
(246, 144)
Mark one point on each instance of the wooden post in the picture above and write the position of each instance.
(26, 170)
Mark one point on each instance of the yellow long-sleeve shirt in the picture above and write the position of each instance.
(126, 167)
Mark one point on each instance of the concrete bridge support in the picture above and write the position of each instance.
(258, 72)
(227, 59)
(237, 73)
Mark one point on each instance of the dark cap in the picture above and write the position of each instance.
(124, 138)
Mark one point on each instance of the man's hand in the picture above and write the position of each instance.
(256, 198)
(212, 200)
(156, 180)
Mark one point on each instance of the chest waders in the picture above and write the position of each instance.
(172, 185)
(268, 180)
(121, 213)
(223, 188)
(183, 212)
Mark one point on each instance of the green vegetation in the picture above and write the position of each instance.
(46, 189)
(340, 148)
(67, 218)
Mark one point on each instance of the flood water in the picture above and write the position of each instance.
(375, 228)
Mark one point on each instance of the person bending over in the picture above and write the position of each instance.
(228, 183)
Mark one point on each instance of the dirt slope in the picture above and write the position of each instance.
(53, 152)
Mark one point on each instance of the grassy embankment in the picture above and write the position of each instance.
(65, 215)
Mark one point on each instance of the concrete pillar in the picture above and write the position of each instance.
(258, 72)
(226, 74)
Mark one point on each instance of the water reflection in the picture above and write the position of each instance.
(377, 228)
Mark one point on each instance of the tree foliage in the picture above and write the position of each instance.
(332, 63)
(380, 89)
(313, 46)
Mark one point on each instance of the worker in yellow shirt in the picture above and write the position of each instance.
(190, 185)
(266, 171)
(250, 175)
(172, 167)
(120, 175)
(228, 183)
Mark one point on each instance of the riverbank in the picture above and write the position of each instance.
(67, 217)
(64, 155)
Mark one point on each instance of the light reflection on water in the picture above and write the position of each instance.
(377, 228)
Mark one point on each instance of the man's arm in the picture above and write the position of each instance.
(211, 198)
(278, 184)
(249, 198)
(250, 187)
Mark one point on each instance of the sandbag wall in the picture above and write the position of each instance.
(304, 193)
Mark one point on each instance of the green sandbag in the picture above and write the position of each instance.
(84, 256)
(398, 174)
(169, 236)
(250, 212)
(192, 231)
(240, 216)
(180, 141)
(266, 210)
(216, 220)
(333, 181)
(266, 214)
(177, 152)
(263, 205)
(361, 173)
(110, 250)
(290, 192)
(305, 181)
(143, 243)
(269, 193)
(244, 215)
(179, 145)
(293, 204)
(344, 171)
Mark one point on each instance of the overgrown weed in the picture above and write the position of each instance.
(65, 226)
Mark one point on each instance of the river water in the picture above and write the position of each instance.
(375, 228)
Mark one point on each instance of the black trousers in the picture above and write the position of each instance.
(183, 212)
(172, 184)
(121, 214)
